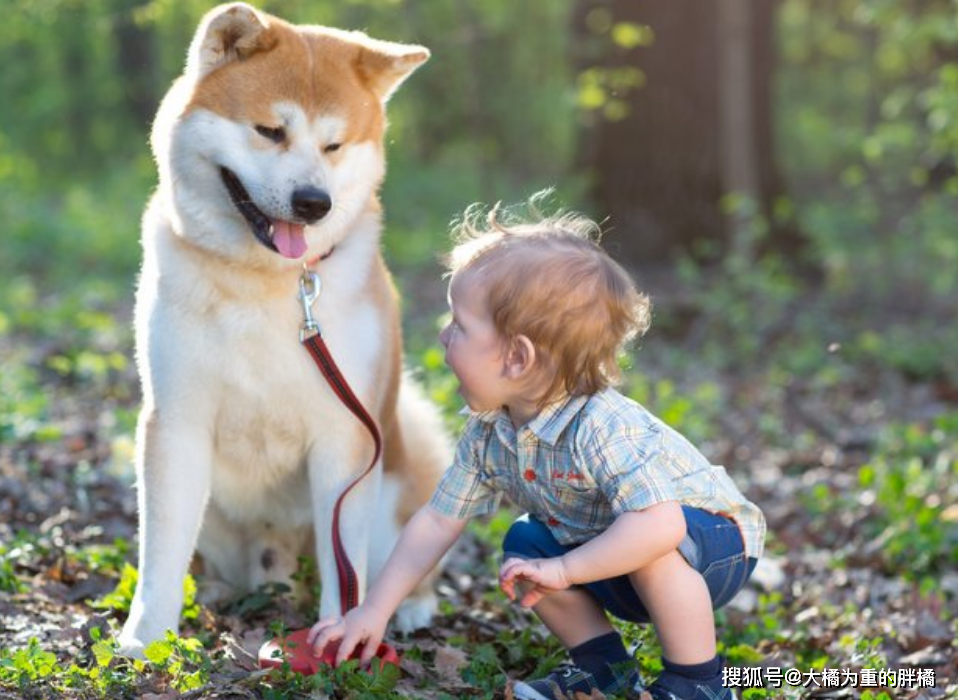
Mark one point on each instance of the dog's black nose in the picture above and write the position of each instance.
(311, 204)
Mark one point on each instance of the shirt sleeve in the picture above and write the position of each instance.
(464, 491)
(630, 468)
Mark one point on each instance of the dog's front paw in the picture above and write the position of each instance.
(137, 634)
(130, 647)
(415, 613)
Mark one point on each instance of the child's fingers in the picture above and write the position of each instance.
(346, 647)
(532, 597)
(508, 588)
(516, 586)
(369, 651)
(514, 568)
(323, 624)
(519, 588)
(506, 571)
(327, 635)
(507, 575)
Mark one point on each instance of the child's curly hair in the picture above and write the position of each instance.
(547, 278)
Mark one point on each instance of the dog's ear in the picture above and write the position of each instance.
(384, 65)
(228, 33)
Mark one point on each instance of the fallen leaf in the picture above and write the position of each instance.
(449, 661)
(414, 669)
(929, 656)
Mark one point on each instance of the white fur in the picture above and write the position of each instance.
(242, 448)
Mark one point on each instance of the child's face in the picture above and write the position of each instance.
(474, 350)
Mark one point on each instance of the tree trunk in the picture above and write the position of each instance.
(699, 127)
(738, 159)
(136, 64)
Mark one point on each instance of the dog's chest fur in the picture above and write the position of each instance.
(233, 357)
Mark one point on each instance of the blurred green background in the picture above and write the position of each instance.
(783, 173)
(841, 119)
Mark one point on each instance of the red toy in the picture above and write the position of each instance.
(296, 650)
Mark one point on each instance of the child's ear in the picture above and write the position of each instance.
(521, 357)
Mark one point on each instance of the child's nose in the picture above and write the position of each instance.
(444, 335)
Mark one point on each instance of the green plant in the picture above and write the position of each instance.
(9, 581)
(865, 652)
(913, 483)
(122, 596)
(441, 385)
(85, 229)
(24, 406)
(347, 680)
(23, 548)
(106, 559)
(643, 639)
(694, 414)
(184, 659)
(768, 623)
(484, 669)
(108, 675)
(31, 664)
(307, 576)
(260, 599)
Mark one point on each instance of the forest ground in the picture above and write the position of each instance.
(855, 578)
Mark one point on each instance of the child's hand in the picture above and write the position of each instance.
(361, 624)
(536, 579)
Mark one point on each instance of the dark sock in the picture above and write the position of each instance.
(699, 672)
(598, 655)
(682, 679)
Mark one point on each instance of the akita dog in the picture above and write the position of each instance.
(270, 156)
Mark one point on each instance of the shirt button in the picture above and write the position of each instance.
(530, 475)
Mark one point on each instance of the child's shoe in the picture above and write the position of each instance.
(568, 680)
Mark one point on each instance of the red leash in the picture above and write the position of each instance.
(348, 581)
(312, 339)
(293, 647)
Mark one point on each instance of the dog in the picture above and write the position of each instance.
(270, 155)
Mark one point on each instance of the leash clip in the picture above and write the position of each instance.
(309, 286)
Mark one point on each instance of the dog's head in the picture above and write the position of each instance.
(272, 140)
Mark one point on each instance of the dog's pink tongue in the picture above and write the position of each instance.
(289, 239)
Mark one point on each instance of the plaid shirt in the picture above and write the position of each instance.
(582, 462)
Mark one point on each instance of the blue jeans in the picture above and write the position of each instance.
(712, 546)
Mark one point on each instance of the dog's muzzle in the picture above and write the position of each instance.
(309, 204)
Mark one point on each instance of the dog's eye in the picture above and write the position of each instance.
(332, 148)
(276, 134)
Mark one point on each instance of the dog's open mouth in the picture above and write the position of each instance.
(283, 237)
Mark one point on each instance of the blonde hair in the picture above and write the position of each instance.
(547, 278)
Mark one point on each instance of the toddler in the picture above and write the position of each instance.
(622, 514)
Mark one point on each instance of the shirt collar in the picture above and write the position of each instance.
(548, 425)
(556, 417)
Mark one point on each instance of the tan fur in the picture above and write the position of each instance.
(242, 447)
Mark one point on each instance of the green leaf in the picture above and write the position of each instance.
(159, 652)
(104, 651)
